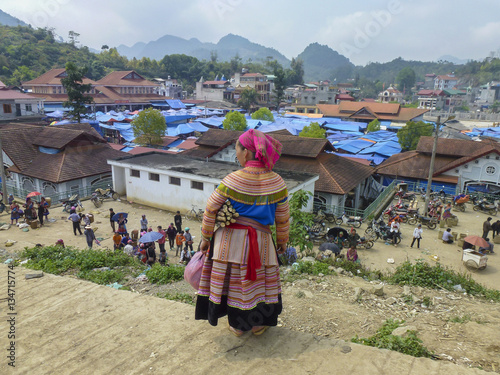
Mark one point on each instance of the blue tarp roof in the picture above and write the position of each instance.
(124, 128)
(212, 121)
(178, 118)
(176, 104)
(353, 145)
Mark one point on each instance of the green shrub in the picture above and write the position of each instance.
(102, 277)
(435, 277)
(410, 344)
(312, 268)
(159, 274)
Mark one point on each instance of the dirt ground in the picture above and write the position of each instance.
(329, 306)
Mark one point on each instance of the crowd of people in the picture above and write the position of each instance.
(133, 243)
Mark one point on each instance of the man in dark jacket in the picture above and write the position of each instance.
(171, 232)
(178, 221)
(486, 227)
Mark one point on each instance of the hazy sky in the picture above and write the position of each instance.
(361, 30)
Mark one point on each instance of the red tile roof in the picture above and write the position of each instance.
(118, 78)
(143, 150)
(14, 94)
(382, 111)
(52, 77)
(79, 158)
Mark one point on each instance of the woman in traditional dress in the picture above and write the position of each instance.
(240, 276)
(122, 221)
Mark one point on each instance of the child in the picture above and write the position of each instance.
(179, 239)
(185, 256)
(352, 254)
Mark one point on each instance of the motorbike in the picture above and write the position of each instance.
(381, 230)
(317, 233)
(364, 243)
(96, 199)
(354, 221)
(485, 206)
(393, 211)
(459, 202)
(323, 215)
(431, 222)
(405, 195)
(73, 201)
(106, 193)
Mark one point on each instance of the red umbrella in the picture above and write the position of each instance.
(477, 241)
(33, 194)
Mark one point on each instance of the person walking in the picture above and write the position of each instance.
(144, 223)
(161, 241)
(89, 236)
(111, 221)
(75, 219)
(41, 211)
(486, 227)
(178, 221)
(189, 239)
(417, 236)
(122, 221)
(171, 232)
(240, 276)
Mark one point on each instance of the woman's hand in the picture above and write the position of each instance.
(281, 248)
(204, 246)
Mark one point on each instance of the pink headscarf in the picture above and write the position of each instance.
(266, 148)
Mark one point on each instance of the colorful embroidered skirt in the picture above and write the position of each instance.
(224, 291)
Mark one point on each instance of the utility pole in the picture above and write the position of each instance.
(433, 158)
(2, 174)
(431, 167)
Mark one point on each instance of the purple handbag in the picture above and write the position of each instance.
(192, 272)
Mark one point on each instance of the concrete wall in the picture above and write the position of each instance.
(484, 169)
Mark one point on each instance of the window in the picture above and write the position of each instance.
(490, 170)
(154, 177)
(197, 185)
(7, 108)
(29, 108)
(175, 181)
(135, 173)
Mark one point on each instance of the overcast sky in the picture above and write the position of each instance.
(364, 31)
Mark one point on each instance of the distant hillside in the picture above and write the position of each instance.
(453, 59)
(320, 62)
(8, 20)
(227, 48)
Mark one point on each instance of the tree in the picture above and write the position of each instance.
(409, 135)
(406, 79)
(104, 46)
(296, 74)
(373, 126)
(263, 114)
(73, 37)
(76, 90)
(235, 121)
(149, 126)
(299, 220)
(279, 85)
(313, 131)
(248, 98)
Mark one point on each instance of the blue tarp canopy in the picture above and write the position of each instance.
(188, 128)
(345, 127)
(178, 119)
(212, 121)
(55, 114)
(353, 146)
(176, 104)
(124, 128)
(374, 159)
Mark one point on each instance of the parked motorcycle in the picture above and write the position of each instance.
(430, 222)
(107, 193)
(96, 199)
(354, 221)
(364, 243)
(73, 201)
(405, 195)
(379, 230)
(485, 206)
(317, 233)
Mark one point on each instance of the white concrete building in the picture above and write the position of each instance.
(174, 182)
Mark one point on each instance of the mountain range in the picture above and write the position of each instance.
(7, 20)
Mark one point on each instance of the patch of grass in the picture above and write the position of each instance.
(410, 344)
(159, 274)
(426, 301)
(180, 297)
(408, 299)
(102, 277)
(300, 294)
(460, 319)
(312, 268)
(436, 277)
(58, 260)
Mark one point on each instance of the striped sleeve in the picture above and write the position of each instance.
(214, 203)
(282, 220)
